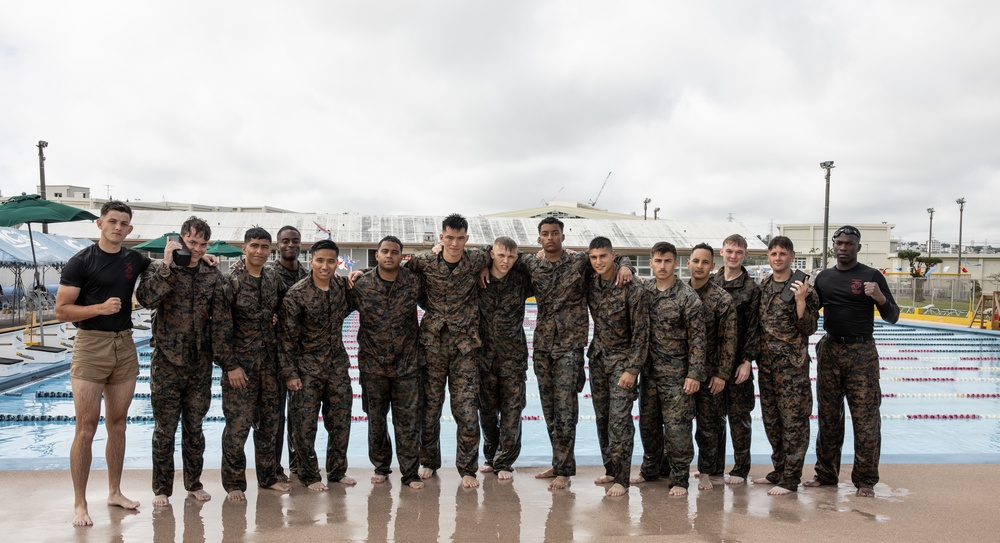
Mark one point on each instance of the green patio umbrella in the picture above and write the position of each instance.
(33, 208)
(221, 248)
(155, 245)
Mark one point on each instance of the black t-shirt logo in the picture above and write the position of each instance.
(857, 287)
(129, 274)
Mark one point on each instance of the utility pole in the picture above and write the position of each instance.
(645, 205)
(961, 213)
(828, 165)
(930, 231)
(41, 174)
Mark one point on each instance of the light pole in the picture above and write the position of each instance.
(41, 174)
(645, 205)
(930, 231)
(961, 213)
(656, 212)
(828, 165)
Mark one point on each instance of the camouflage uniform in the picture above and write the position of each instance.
(503, 367)
(620, 344)
(449, 335)
(191, 327)
(720, 339)
(738, 399)
(676, 352)
(389, 359)
(783, 377)
(560, 289)
(311, 348)
(256, 300)
(289, 278)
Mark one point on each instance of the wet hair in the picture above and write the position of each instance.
(196, 226)
(455, 222)
(116, 205)
(256, 233)
(551, 220)
(601, 242)
(289, 227)
(662, 248)
(390, 239)
(704, 246)
(324, 244)
(506, 243)
(736, 240)
(781, 241)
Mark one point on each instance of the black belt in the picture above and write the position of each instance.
(848, 340)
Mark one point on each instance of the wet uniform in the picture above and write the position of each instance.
(289, 278)
(192, 326)
(710, 409)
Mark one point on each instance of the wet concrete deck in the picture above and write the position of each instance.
(938, 502)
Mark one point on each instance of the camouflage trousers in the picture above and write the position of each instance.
(709, 425)
(560, 380)
(330, 394)
(665, 424)
(850, 371)
(786, 403)
(460, 372)
(284, 406)
(737, 402)
(502, 397)
(613, 410)
(253, 406)
(402, 394)
(178, 394)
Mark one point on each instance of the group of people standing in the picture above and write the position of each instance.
(683, 350)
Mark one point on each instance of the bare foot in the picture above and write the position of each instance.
(559, 483)
(318, 486)
(505, 475)
(814, 482)
(200, 495)
(764, 481)
(678, 491)
(161, 500)
(778, 491)
(603, 480)
(470, 481)
(378, 478)
(416, 485)
(237, 496)
(866, 492)
(425, 473)
(547, 474)
(347, 481)
(705, 483)
(486, 469)
(281, 487)
(616, 490)
(637, 480)
(733, 480)
(122, 501)
(81, 517)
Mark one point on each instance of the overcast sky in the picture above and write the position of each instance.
(432, 107)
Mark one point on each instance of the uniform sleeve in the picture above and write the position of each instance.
(728, 337)
(155, 285)
(288, 341)
(418, 263)
(751, 348)
(694, 318)
(807, 324)
(624, 261)
(889, 311)
(639, 317)
(222, 324)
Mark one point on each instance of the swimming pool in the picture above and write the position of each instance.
(940, 386)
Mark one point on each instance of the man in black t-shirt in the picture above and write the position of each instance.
(95, 293)
(848, 364)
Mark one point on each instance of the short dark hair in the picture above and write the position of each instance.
(116, 205)
(455, 222)
(736, 240)
(256, 232)
(324, 244)
(781, 241)
(705, 246)
(289, 227)
(601, 242)
(551, 220)
(390, 239)
(662, 248)
(506, 243)
(196, 226)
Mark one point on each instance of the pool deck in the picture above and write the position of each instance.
(914, 503)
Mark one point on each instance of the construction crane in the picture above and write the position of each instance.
(594, 201)
(545, 203)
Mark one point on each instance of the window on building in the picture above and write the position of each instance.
(57, 195)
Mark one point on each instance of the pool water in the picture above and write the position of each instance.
(940, 387)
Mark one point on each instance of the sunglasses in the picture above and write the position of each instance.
(849, 230)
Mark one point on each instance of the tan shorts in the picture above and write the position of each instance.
(104, 357)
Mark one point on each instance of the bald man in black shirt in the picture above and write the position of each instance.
(848, 364)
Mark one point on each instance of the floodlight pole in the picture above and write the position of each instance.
(645, 206)
(828, 165)
(41, 174)
(930, 230)
(961, 213)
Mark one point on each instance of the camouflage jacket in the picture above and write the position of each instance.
(783, 335)
(192, 322)
(388, 338)
(746, 297)
(621, 323)
(452, 305)
(720, 331)
(501, 319)
(676, 333)
(255, 302)
(560, 288)
(310, 329)
(289, 277)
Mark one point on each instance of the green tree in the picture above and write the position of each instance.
(918, 270)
